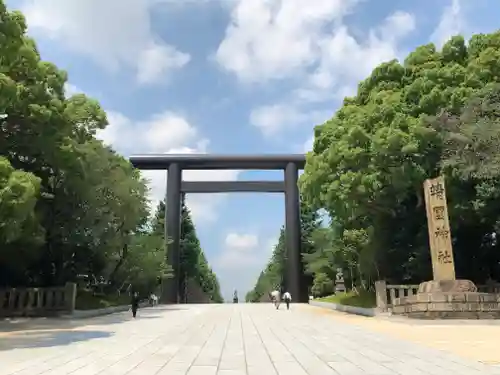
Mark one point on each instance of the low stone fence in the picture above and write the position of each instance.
(386, 293)
(32, 302)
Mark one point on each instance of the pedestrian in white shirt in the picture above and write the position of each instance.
(287, 298)
(276, 297)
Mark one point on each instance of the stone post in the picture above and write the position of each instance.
(443, 264)
(70, 297)
(381, 295)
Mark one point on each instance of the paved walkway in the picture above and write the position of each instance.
(223, 340)
(473, 339)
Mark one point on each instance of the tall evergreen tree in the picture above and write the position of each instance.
(193, 264)
(274, 275)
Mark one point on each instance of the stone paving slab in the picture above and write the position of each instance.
(474, 339)
(224, 340)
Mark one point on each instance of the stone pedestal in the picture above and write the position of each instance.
(447, 286)
(448, 299)
(339, 282)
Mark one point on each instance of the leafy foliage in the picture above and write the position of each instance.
(193, 263)
(18, 192)
(436, 113)
(274, 276)
(69, 205)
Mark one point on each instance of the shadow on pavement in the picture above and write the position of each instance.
(36, 324)
(44, 339)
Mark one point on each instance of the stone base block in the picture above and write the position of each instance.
(449, 305)
(447, 286)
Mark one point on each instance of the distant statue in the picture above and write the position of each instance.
(340, 275)
(339, 281)
(235, 296)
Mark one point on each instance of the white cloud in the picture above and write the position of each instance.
(344, 60)
(308, 145)
(70, 89)
(244, 250)
(241, 242)
(451, 23)
(243, 257)
(281, 39)
(156, 60)
(273, 39)
(160, 133)
(272, 119)
(168, 133)
(114, 33)
(240, 250)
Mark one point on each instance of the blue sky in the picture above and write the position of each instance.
(232, 76)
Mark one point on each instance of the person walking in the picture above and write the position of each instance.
(287, 298)
(135, 303)
(154, 299)
(276, 298)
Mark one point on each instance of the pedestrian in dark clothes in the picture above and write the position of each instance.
(287, 297)
(135, 304)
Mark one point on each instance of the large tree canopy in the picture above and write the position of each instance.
(435, 113)
(69, 205)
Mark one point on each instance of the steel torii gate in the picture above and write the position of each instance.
(175, 164)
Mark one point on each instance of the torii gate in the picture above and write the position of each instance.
(175, 164)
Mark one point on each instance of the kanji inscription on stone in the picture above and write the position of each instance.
(438, 212)
(443, 265)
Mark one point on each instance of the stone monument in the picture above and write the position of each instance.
(444, 296)
(339, 281)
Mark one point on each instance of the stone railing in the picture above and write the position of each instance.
(387, 293)
(15, 302)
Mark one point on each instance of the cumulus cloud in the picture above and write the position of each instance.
(168, 133)
(242, 257)
(273, 39)
(114, 33)
(239, 251)
(451, 23)
(268, 40)
(308, 145)
(70, 89)
(272, 119)
(344, 60)
(244, 250)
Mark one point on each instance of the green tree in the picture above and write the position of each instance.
(274, 275)
(68, 204)
(18, 196)
(144, 265)
(193, 263)
(369, 161)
